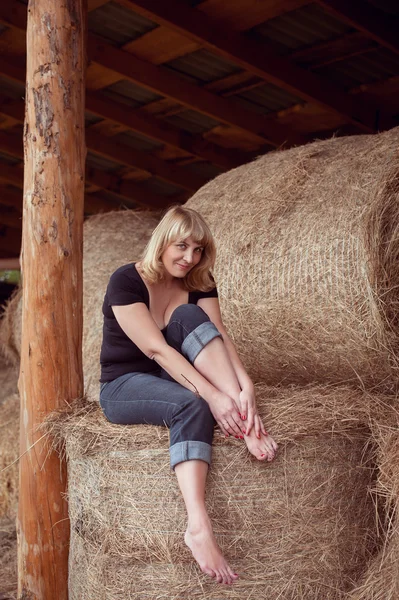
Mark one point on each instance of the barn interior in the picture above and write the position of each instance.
(178, 92)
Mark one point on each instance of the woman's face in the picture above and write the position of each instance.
(181, 256)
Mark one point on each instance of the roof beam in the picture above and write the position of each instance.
(128, 190)
(365, 17)
(10, 197)
(121, 153)
(11, 242)
(257, 58)
(193, 96)
(156, 79)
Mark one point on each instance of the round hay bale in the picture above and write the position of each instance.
(9, 452)
(8, 560)
(303, 526)
(307, 266)
(110, 240)
(11, 328)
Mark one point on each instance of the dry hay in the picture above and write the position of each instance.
(307, 526)
(11, 328)
(110, 240)
(307, 268)
(9, 452)
(8, 560)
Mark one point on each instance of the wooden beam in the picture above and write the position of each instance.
(11, 175)
(11, 219)
(51, 374)
(367, 18)
(126, 155)
(193, 96)
(10, 243)
(108, 148)
(257, 58)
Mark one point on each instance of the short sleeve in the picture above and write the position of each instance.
(123, 290)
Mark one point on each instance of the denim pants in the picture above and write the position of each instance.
(157, 399)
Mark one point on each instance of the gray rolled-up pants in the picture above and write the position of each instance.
(157, 399)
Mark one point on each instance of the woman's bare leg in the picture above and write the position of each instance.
(214, 364)
(199, 537)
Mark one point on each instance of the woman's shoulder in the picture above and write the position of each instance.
(127, 273)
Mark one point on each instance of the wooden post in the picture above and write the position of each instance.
(52, 239)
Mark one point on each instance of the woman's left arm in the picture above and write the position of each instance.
(247, 396)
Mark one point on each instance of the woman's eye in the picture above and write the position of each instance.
(199, 250)
(181, 245)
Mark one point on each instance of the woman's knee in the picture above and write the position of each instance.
(189, 315)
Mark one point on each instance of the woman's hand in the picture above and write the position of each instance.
(227, 415)
(249, 412)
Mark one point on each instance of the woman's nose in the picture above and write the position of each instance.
(188, 256)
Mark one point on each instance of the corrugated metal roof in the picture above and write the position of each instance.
(388, 6)
(91, 119)
(131, 94)
(9, 160)
(117, 24)
(202, 66)
(160, 187)
(300, 28)
(11, 88)
(137, 141)
(192, 121)
(98, 162)
(376, 65)
(267, 98)
(206, 169)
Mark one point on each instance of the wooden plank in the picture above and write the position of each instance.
(367, 18)
(12, 175)
(94, 4)
(51, 373)
(257, 58)
(156, 79)
(240, 15)
(161, 45)
(11, 219)
(10, 242)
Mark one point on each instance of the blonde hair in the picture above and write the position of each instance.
(179, 223)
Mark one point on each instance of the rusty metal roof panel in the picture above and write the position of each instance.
(192, 121)
(98, 162)
(90, 118)
(300, 28)
(160, 187)
(8, 159)
(267, 98)
(129, 93)
(376, 65)
(137, 141)
(202, 66)
(11, 88)
(118, 25)
(206, 169)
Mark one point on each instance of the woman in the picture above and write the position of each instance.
(167, 360)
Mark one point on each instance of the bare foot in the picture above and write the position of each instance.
(202, 543)
(263, 448)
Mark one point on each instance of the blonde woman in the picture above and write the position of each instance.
(166, 359)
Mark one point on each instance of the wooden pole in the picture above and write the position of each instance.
(51, 362)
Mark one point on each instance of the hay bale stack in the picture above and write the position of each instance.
(307, 266)
(11, 329)
(301, 527)
(9, 452)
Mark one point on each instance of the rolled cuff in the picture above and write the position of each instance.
(198, 339)
(191, 450)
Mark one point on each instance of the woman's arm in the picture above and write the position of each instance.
(247, 397)
(138, 324)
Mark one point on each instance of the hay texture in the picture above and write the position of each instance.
(307, 526)
(307, 267)
(9, 452)
(8, 560)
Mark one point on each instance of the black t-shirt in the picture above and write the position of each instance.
(119, 355)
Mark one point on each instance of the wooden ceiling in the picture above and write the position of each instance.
(179, 91)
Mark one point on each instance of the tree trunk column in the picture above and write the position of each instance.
(52, 322)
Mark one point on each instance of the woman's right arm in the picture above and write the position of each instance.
(138, 324)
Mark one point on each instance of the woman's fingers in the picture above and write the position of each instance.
(249, 422)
